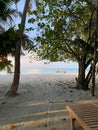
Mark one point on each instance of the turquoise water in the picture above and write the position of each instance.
(47, 70)
(57, 70)
(51, 70)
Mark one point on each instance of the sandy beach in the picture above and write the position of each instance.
(41, 103)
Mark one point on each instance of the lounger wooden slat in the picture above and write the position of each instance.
(90, 120)
(88, 116)
(85, 114)
(94, 126)
(88, 111)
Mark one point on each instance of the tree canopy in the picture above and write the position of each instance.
(67, 26)
(68, 31)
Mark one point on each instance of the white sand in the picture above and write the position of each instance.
(42, 102)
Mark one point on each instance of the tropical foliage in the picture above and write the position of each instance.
(6, 37)
(8, 47)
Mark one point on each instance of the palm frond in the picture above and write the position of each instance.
(6, 65)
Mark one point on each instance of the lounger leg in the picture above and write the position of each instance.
(72, 124)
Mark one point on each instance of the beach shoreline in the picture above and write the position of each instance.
(41, 103)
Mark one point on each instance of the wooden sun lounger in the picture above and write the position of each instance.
(85, 114)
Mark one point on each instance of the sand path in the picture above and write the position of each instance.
(42, 102)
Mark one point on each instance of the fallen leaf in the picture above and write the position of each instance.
(11, 126)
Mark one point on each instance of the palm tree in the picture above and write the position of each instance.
(15, 83)
(6, 12)
(6, 16)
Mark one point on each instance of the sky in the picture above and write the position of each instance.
(18, 20)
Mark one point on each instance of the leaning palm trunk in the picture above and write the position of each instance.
(15, 83)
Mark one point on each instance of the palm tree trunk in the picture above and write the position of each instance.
(15, 83)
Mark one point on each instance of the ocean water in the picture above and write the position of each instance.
(51, 68)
